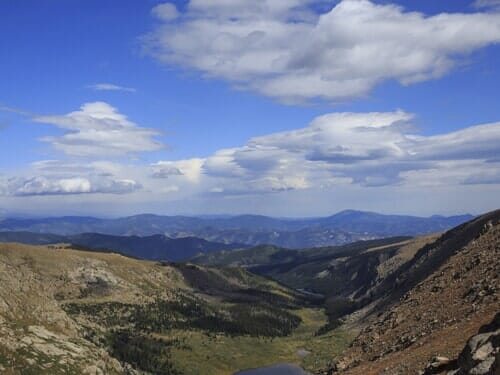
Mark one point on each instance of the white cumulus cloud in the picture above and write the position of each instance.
(189, 169)
(284, 50)
(99, 130)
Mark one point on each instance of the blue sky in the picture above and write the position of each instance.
(199, 79)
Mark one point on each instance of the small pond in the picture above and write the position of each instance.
(283, 369)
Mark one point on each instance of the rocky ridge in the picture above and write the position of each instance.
(445, 294)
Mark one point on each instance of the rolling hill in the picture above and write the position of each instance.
(155, 247)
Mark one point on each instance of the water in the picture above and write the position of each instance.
(283, 369)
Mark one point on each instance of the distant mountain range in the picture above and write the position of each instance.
(344, 227)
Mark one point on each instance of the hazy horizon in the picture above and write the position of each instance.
(14, 215)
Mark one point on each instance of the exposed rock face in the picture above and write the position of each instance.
(441, 302)
(481, 355)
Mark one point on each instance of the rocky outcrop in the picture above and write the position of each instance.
(481, 355)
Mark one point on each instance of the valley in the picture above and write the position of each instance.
(376, 306)
(249, 187)
(63, 310)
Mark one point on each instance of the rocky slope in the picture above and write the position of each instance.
(431, 305)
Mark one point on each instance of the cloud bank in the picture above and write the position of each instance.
(56, 177)
(365, 149)
(352, 155)
(284, 50)
(43, 185)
